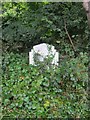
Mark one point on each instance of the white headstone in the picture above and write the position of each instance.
(42, 51)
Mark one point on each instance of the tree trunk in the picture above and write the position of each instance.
(86, 5)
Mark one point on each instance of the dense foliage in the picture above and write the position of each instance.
(33, 91)
(27, 24)
(40, 91)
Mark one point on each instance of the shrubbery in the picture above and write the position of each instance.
(41, 91)
(33, 91)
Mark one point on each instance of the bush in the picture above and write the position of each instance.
(28, 24)
(31, 91)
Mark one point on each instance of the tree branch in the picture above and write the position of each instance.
(69, 36)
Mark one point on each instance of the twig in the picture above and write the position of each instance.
(69, 36)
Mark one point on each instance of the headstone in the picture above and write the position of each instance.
(41, 52)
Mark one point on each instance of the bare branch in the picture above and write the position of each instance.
(69, 36)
